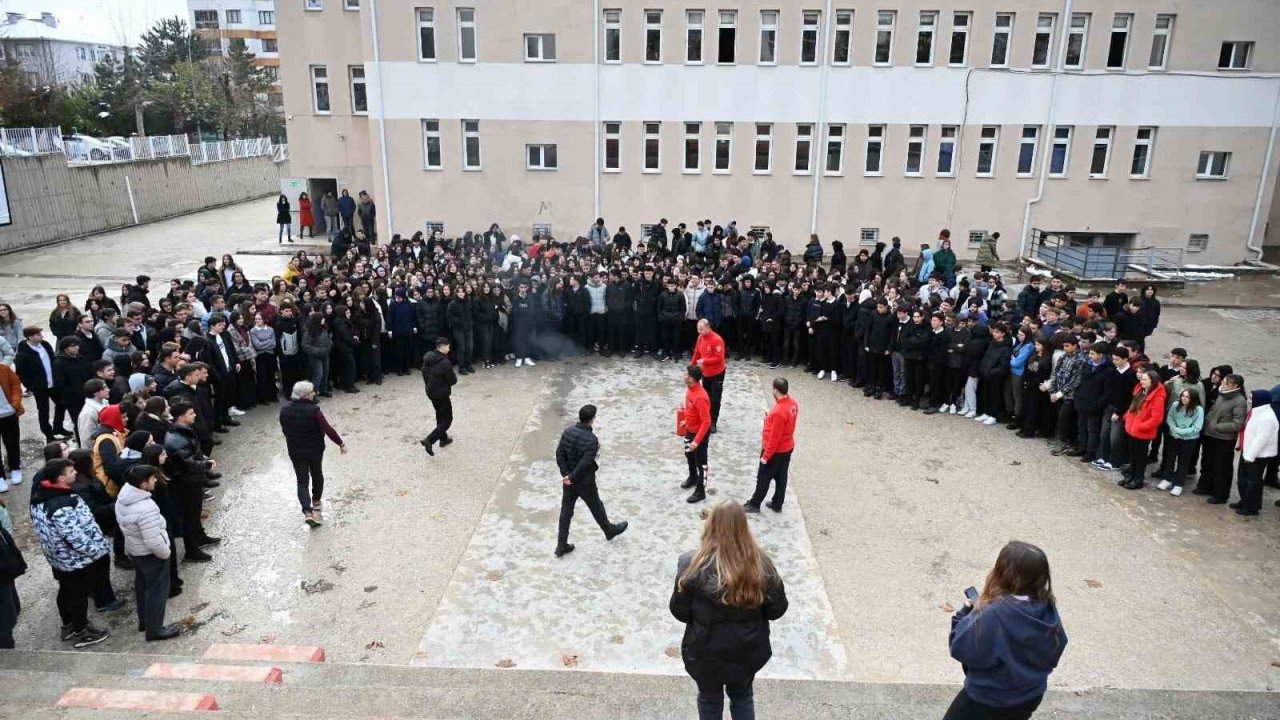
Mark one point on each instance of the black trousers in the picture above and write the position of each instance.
(881, 372)
(484, 342)
(585, 489)
(10, 608)
(265, 367)
(464, 343)
(791, 344)
(190, 503)
(444, 419)
(10, 436)
(1089, 431)
(697, 460)
(41, 398)
(151, 590)
(714, 385)
(597, 329)
(670, 337)
(1066, 420)
(310, 475)
(1249, 482)
(773, 345)
(775, 470)
(746, 335)
(1138, 464)
(937, 386)
(646, 331)
(915, 377)
(292, 369)
(1183, 456)
(966, 708)
(1216, 472)
(74, 589)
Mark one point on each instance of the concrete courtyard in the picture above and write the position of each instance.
(447, 561)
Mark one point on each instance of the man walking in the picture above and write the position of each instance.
(709, 356)
(695, 419)
(576, 458)
(439, 377)
(777, 443)
(305, 428)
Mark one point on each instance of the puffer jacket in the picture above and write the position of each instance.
(139, 518)
(1226, 416)
(317, 344)
(671, 306)
(427, 312)
(710, 309)
(69, 537)
(1145, 423)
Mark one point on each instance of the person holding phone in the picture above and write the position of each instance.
(1007, 639)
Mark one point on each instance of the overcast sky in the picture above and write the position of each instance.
(102, 20)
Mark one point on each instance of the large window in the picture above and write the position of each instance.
(233, 17)
(693, 26)
(1235, 55)
(1140, 166)
(884, 37)
(693, 147)
(988, 142)
(1060, 155)
(613, 147)
(804, 148)
(359, 94)
(915, 149)
(1000, 40)
(1118, 48)
(723, 162)
(653, 36)
(539, 47)
(768, 37)
(727, 52)
(540, 157)
(810, 21)
(320, 89)
(312, 4)
(1213, 165)
(835, 150)
(874, 164)
(843, 49)
(1100, 160)
(266, 17)
(270, 45)
(959, 54)
(431, 145)
(1077, 39)
(1027, 150)
(947, 150)
(206, 19)
(652, 147)
(470, 144)
(1160, 39)
(764, 149)
(1042, 48)
(467, 37)
(613, 36)
(427, 34)
(924, 37)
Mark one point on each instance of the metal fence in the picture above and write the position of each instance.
(1094, 262)
(158, 146)
(87, 150)
(229, 150)
(30, 141)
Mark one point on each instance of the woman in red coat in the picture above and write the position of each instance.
(306, 220)
(1141, 424)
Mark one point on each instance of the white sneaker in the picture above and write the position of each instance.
(15, 477)
(943, 408)
(530, 362)
(822, 374)
(971, 414)
(951, 409)
(519, 362)
(989, 421)
(4, 486)
(1176, 491)
(1164, 485)
(981, 418)
(235, 412)
(833, 376)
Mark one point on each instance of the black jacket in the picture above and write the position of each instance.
(303, 434)
(748, 302)
(915, 340)
(344, 335)
(199, 398)
(90, 346)
(671, 306)
(484, 311)
(69, 376)
(461, 317)
(723, 643)
(645, 295)
(1122, 384)
(1094, 391)
(880, 332)
(30, 368)
(438, 375)
(147, 422)
(428, 314)
(794, 310)
(975, 349)
(185, 464)
(938, 349)
(995, 360)
(576, 454)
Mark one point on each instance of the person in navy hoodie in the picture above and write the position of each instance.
(1009, 640)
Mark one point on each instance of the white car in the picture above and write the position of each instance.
(7, 150)
(120, 148)
(86, 148)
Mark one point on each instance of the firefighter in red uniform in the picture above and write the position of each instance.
(696, 417)
(777, 443)
(709, 355)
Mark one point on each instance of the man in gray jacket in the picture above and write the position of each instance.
(147, 542)
(1222, 424)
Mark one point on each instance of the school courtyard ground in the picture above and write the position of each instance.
(446, 563)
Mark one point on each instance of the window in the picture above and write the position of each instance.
(427, 34)
(653, 36)
(266, 17)
(652, 147)
(26, 52)
(947, 151)
(1027, 150)
(869, 236)
(359, 96)
(844, 38)
(81, 53)
(1160, 42)
(613, 147)
(1197, 243)
(1235, 55)
(884, 37)
(467, 45)
(272, 72)
(811, 19)
(1118, 49)
(835, 150)
(959, 54)
(1140, 167)
(205, 19)
(1077, 37)
(693, 147)
(1000, 40)
(915, 149)
(1061, 151)
(233, 17)
(724, 148)
(431, 144)
(320, 89)
(312, 4)
(924, 38)
(976, 237)
(270, 45)
(1101, 157)
(542, 231)
(1042, 50)
(613, 36)
(470, 144)
(764, 148)
(988, 139)
(1213, 165)
(768, 37)
(727, 52)
(693, 37)
(539, 47)
(804, 148)
(351, 5)
(540, 157)
(875, 150)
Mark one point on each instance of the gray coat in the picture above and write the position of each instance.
(142, 523)
(1225, 419)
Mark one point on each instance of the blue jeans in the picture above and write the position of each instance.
(331, 224)
(320, 372)
(742, 701)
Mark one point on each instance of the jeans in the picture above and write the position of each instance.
(742, 701)
(585, 489)
(10, 436)
(320, 372)
(151, 590)
(1089, 432)
(285, 228)
(310, 475)
(444, 419)
(1111, 438)
(775, 470)
(966, 708)
(899, 374)
(331, 223)
(971, 394)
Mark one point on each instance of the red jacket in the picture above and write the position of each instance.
(710, 350)
(780, 428)
(1145, 424)
(697, 412)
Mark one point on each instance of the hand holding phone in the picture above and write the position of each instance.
(971, 595)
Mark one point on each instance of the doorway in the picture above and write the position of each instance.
(316, 188)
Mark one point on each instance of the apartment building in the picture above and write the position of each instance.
(219, 22)
(1121, 123)
(49, 53)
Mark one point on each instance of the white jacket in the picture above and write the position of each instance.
(142, 524)
(1260, 434)
(87, 421)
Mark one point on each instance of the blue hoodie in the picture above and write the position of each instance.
(1021, 354)
(1007, 649)
(926, 267)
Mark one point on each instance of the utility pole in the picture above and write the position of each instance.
(135, 91)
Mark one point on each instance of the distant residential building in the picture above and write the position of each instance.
(219, 22)
(52, 55)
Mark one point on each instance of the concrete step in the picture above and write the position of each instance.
(32, 682)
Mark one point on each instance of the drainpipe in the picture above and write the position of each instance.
(595, 24)
(816, 155)
(1262, 182)
(382, 119)
(1064, 25)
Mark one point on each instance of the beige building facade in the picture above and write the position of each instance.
(1145, 123)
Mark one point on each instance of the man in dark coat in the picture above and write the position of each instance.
(33, 362)
(576, 458)
(439, 378)
(71, 370)
(305, 427)
(188, 468)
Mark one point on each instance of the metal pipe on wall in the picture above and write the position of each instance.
(595, 24)
(1264, 175)
(382, 120)
(1058, 66)
(823, 78)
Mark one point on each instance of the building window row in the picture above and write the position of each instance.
(208, 19)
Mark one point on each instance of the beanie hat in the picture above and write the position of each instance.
(137, 440)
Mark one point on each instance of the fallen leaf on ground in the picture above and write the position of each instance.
(616, 639)
(1093, 583)
(948, 607)
(1016, 462)
(672, 651)
(493, 575)
(234, 630)
(402, 493)
(374, 645)
(933, 480)
(1275, 663)
(370, 588)
(505, 663)
(266, 639)
(569, 661)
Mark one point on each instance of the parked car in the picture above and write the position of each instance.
(8, 150)
(86, 148)
(120, 148)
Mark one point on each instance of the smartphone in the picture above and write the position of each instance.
(971, 593)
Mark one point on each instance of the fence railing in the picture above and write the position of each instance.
(1100, 262)
(86, 150)
(30, 141)
(280, 153)
(158, 146)
(229, 150)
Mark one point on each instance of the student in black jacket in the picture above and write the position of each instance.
(935, 363)
(771, 323)
(33, 361)
(462, 326)
(914, 341)
(993, 371)
(746, 309)
(795, 308)
(878, 343)
(671, 310)
(71, 370)
(576, 460)
(439, 379)
(345, 343)
(1092, 397)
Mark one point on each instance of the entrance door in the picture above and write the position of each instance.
(292, 188)
(317, 188)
